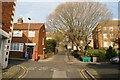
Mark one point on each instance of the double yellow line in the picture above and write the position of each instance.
(82, 73)
(23, 74)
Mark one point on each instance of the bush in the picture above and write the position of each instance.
(50, 45)
(98, 52)
(102, 55)
(92, 52)
(110, 53)
(76, 54)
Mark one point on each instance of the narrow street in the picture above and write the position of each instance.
(58, 67)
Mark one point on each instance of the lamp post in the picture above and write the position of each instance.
(26, 53)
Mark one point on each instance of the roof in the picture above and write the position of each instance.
(110, 22)
(24, 26)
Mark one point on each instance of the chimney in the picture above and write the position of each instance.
(20, 21)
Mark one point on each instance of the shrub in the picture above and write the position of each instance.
(50, 45)
(98, 52)
(102, 55)
(76, 54)
(93, 51)
(110, 53)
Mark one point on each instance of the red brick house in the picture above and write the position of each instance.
(7, 9)
(105, 34)
(32, 40)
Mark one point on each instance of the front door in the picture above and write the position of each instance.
(30, 51)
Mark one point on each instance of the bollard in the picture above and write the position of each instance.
(27, 56)
(36, 55)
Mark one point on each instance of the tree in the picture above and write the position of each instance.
(77, 20)
(58, 37)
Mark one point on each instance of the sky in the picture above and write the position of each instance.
(39, 10)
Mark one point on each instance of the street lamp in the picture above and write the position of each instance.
(26, 53)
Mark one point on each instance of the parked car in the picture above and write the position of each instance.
(114, 60)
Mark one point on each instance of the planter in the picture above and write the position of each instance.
(86, 59)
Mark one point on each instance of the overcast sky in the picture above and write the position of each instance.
(38, 10)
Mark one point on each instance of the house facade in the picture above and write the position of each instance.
(6, 27)
(28, 37)
(105, 34)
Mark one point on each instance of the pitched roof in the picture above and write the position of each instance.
(24, 26)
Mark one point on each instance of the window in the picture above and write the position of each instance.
(104, 35)
(17, 33)
(31, 34)
(17, 47)
(43, 41)
(111, 28)
(111, 35)
(105, 44)
(104, 28)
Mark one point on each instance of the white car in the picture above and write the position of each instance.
(114, 59)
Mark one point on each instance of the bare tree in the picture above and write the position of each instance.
(60, 38)
(77, 20)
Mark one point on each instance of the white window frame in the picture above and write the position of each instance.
(17, 33)
(17, 47)
(31, 33)
(111, 28)
(105, 44)
(104, 35)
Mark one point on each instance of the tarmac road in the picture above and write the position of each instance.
(59, 67)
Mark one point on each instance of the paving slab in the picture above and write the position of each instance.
(59, 74)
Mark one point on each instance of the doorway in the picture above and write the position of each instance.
(30, 51)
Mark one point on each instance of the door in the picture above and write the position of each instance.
(30, 51)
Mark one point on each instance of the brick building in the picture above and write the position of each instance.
(33, 40)
(105, 34)
(6, 27)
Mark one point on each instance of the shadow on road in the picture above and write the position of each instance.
(106, 70)
(12, 63)
(104, 65)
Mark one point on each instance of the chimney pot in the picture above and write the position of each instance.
(20, 21)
